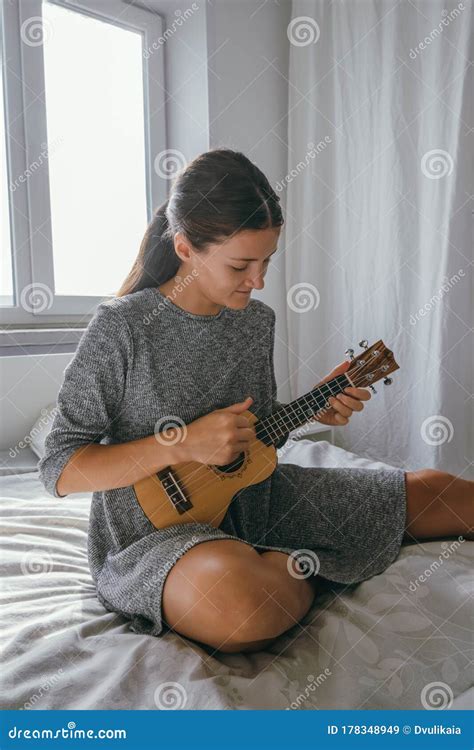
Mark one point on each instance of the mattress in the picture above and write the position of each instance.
(400, 640)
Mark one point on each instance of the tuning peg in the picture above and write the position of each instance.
(364, 344)
(387, 381)
(349, 353)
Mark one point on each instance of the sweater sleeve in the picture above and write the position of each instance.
(90, 396)
(275, 403)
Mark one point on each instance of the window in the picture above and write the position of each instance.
(81, 186)
(6, 281)
(96, 148)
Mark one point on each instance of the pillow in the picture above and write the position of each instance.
(41, 428)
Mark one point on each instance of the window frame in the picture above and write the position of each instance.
(25, 110)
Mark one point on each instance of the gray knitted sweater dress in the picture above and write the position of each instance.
(141, 359)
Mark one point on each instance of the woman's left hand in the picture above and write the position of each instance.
(342, 405)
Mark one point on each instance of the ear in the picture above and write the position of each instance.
(182, 247)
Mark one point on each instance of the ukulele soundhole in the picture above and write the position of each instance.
(233, 466)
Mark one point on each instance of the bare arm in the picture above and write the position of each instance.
(96, 467)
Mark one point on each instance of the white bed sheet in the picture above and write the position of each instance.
(378, 645)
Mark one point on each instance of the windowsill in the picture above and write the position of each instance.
(19, 341)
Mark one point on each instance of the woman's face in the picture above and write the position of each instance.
(226, 273)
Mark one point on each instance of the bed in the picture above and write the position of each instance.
(400, 640)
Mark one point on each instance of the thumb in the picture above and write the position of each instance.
(239, 407)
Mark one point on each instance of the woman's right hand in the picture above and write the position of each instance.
(218, 437)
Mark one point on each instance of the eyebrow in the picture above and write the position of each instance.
(272, 253)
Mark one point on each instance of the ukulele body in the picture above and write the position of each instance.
(191, 492)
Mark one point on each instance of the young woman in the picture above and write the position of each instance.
(184, 344)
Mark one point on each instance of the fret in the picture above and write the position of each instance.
(273, 428)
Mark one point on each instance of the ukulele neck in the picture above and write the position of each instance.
(270, 430)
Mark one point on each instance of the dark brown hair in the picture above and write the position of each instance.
(218, 194)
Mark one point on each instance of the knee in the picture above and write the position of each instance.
(225, 594)
(253, 608)
(427, 482)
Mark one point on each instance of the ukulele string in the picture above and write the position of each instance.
(190, 484)
(192, 479)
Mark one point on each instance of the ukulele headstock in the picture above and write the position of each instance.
(373, 364)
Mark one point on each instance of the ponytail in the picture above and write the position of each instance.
(156, 261)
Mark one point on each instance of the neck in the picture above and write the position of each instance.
(188, 297)
(270, 430)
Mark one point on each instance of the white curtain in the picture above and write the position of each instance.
(378, 209)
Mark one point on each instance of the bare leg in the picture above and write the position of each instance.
(224, 594)
(438, 504)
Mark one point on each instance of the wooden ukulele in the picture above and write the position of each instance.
(194, 492)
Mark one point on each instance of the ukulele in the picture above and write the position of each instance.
(194, 492)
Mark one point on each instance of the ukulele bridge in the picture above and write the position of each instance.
(174, 492)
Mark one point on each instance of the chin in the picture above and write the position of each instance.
(239, 300)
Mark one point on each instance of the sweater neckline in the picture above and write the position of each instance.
(193, 316)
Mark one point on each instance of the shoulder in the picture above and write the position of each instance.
(125, 311)
(262, 311)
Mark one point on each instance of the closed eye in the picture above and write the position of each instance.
(243, 268)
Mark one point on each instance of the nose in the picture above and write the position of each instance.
(257, 283)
